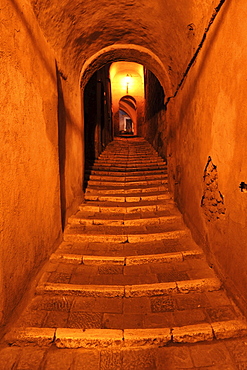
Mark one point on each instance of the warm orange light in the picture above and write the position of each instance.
(127, 79)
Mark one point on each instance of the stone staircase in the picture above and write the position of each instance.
(128, 274)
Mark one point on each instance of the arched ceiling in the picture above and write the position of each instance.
(170, 29)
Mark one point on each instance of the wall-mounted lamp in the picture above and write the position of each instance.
(243, 187)
(127, 79)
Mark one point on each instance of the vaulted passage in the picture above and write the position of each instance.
(123, 184)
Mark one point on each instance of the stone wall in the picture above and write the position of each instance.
(154, 128)
(207, 146)
(30, 221)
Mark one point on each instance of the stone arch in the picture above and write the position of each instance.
(128, 104)
(131, 53)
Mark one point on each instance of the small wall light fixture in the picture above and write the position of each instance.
(127, 79)
(243, 187)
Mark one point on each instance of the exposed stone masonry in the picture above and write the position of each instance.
(212, 200)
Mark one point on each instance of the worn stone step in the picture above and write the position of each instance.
(111, 189)
(125, 168)
(119, 184)
(131, 291)
(128, 162)
(127, 207)
(151, 159)
(78, 259)
(176, 243)
(128, 274)
(114, 179)
(118, 219)
(113, 338)
(131, 173)
(127, 234)
(135, 197)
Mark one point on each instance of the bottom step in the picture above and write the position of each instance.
(92, 338)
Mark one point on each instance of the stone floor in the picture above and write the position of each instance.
(127, 288)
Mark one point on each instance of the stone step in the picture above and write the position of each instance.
(128, 273)
(132, 219)
(127, 179)
(78, 259)
(139, 175)
(128, 162)
(135, 197)
(110, 166)
(73, 338)
(130, 291)
(144, 275)
(111, 189)
(119, 184)
(116, 234)
(127, 207)
(176, 243)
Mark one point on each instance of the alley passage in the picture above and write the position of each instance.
(128, 273)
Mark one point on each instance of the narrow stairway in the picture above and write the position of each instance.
(128, 273)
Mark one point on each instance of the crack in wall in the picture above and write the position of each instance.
(193, 59)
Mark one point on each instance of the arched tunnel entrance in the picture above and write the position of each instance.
(121, 98)
(127, 115)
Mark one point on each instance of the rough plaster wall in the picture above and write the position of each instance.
(30, 221)
(155, 131)
(71, 134)
(154, 127)
(77, 30)
(208, 119)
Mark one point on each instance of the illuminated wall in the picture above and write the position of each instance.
(127, 79)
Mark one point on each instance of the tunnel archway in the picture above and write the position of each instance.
(97, 67)
(130, 53)
(127, 104)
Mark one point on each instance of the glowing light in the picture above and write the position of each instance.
(127, 79)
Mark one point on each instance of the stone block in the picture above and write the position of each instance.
(162, 304)
(157, 320)
(148, 290)
(75, 259)
(9, 357)
(83, 290)
(210, 354)
(138, 358)
(89, 338)
(229, 329)
(199, 285)
(27, 336)
(99, 260)
(192, 333)
(190, 317)
(110, 269)
(57, 319)
(143, 337)
(136, 305)
(83, 304)
(110, 359)
(85, 320)
(86, 359)
(30, 358)
(172, 358)
(108, 305)
(59, 359)
(153, 258)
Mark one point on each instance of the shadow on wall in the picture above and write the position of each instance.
(32, 37)
(61, 113)
(90, 119)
